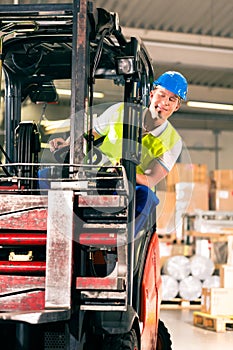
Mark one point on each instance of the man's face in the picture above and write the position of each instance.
(164, 102)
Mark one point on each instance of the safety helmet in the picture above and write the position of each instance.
(174, 82)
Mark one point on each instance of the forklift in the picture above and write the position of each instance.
(72, 274)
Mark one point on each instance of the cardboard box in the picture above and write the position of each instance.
(186, 172)
(166, 212)
(217, 301)
(221, 199)
(202, 247)
(222, 179)
(191, 196)
(226, 276)
(181, 249)
(165, 249)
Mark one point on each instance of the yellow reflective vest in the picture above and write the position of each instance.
(164, 147)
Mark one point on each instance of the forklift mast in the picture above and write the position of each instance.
(72, 275)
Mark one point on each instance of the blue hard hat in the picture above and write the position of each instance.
(174, 82)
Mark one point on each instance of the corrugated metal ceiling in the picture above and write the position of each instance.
(207, 21)
(208, 17)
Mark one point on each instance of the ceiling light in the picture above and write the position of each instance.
(98, 94)
(67, 92)
(209, 105)
(64, 92)
(55, 126)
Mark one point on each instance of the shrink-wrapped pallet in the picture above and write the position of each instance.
(170, 287)
(190, 288)
(201, 267)
(177, 266)
(211, 282)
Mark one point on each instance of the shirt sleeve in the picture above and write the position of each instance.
(169, 158)
(103, 122)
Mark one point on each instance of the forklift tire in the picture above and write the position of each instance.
(164, 338)
(127, 341)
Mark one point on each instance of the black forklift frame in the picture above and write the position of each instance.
(135, 97)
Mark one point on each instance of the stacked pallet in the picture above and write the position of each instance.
(183, 279)
(216, 305)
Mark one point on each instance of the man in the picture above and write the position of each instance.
(161, 144)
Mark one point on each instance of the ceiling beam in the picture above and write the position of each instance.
(187, 49)
(179, 38)
(202, 121)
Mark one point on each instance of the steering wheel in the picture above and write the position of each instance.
(62, 155)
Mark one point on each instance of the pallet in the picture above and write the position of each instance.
(214, 323)
(179, 303)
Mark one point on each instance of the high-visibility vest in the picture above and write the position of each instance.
(112, 143)
(152, 147)
(157, 147)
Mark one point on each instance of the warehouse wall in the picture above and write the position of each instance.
(205, 153)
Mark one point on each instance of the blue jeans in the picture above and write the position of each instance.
(146, 201)
(46, 174)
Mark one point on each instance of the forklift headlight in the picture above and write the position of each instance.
(125, 65)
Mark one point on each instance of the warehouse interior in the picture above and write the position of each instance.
(195, 214)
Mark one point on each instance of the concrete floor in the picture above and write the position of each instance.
(186, 336)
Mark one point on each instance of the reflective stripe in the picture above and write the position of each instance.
(157, 147)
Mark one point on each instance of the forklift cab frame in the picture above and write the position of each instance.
(40, 44)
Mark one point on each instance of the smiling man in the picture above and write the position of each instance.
(161, 143)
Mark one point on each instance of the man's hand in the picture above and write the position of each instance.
(58, 143)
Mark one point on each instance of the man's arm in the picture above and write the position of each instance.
(157, 173)
(59, 142)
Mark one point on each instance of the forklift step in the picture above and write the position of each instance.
(104, 300)
(102, 208)
(26, 238)
(97, 283)
(109, 201)
(22, 267)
